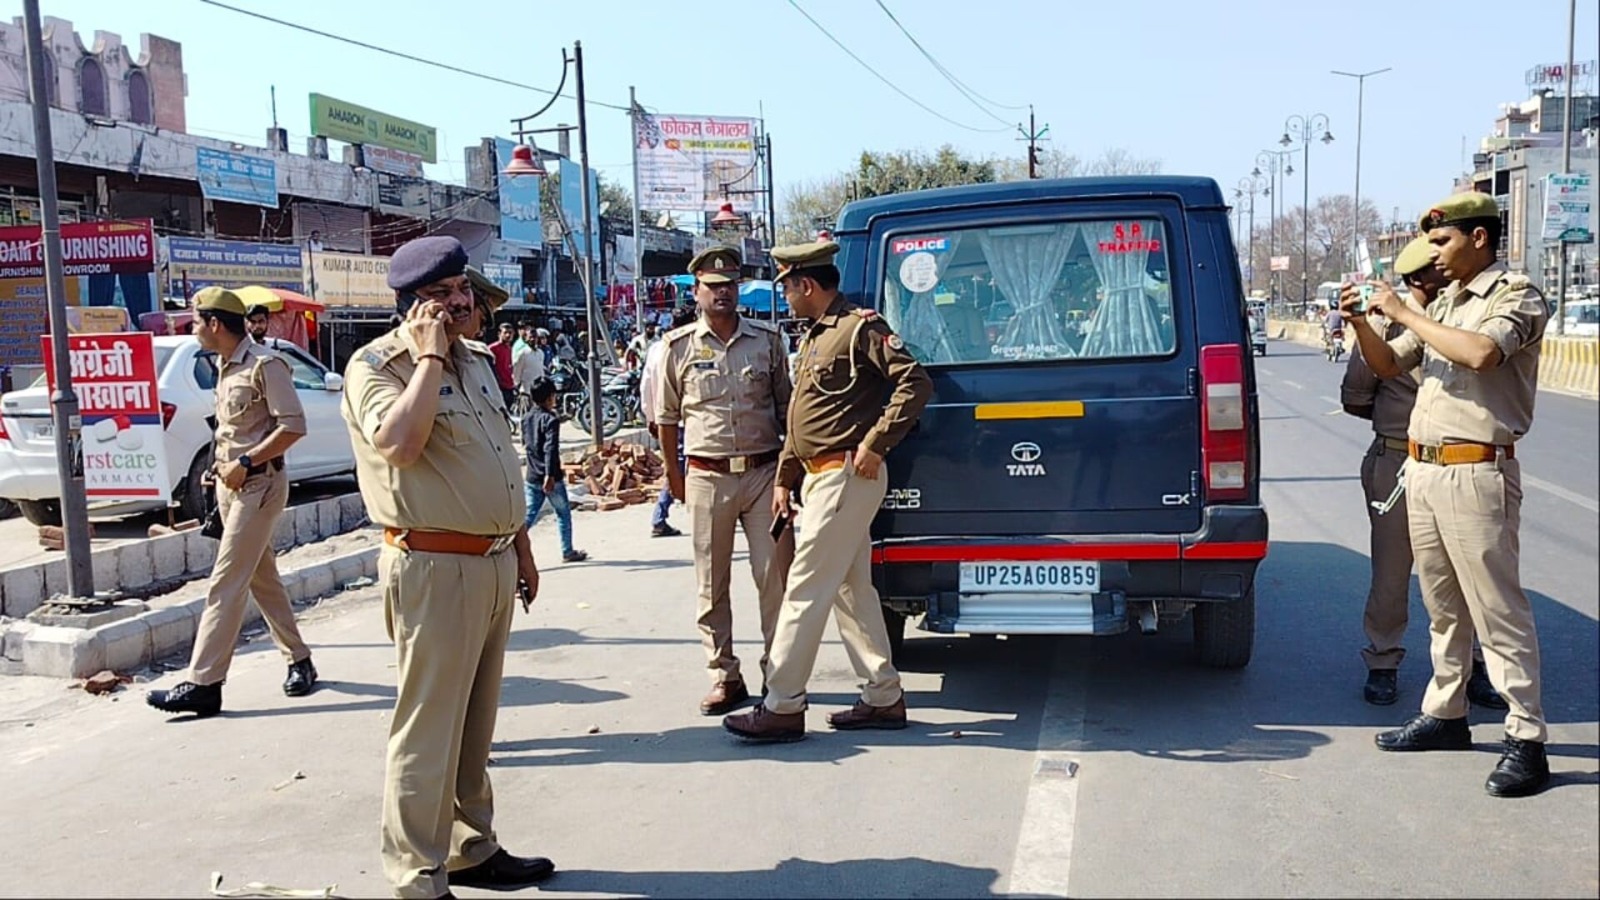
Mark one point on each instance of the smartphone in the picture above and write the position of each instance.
(1366, 295)
(778, 525)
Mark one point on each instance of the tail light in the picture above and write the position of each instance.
(168, 410)
(1224, 427)
(3, 435)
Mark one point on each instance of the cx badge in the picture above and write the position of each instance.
(1027, 465)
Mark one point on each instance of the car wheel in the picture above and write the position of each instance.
(1225, 631)
(197, 498)
(41, 512)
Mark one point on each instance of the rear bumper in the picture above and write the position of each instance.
(1216, 563)
(28, 476)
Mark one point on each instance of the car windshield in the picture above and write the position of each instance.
(1079, 290)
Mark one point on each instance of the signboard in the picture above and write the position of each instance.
(358, 125)
(349, 279)
(1279, 263)
(1568, 207)
(572, 209)
(507, 276)
(683, 162)
(124, 448)
(194, 263)
(391, 162)
(1556, 74)
(87, 248)
(236, 178)
(521, 221)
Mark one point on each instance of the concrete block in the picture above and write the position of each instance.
(55, 579)
(346, 569)
(105, 569)
(135, 568)
(283, 534)
(328, 517)
(23, 590)
(294, 585)
(168, 557)
(199, 553)
(62, 653)
(172, 628)
(316, 580)
(305, 523)
(352, 513)
(13, 639)
(126, 643)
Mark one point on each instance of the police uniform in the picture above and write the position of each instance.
(855, 385)
(1464, 486)
(449, 577)
(729, 398)
(254, 397)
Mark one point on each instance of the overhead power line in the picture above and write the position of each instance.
(892, 86)
(402, 55)
(955, 82)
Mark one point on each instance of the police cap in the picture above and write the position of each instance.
(217, 299)
(1462, 207)
(425, 260)
(716, 265)
(794, 257)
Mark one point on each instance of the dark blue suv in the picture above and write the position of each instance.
(1090, 457)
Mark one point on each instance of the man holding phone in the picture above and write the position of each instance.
(725, 383)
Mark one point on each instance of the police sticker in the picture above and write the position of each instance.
(893, 342)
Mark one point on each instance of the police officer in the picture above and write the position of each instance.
(259, 418)
(857, 393)
(438, 469)
(1478, 345)
(1388, 404)
(725, 382)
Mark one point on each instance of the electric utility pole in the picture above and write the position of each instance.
(1033, 136)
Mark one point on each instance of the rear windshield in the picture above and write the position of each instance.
(1097, 289)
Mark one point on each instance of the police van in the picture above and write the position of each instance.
(1090, 459)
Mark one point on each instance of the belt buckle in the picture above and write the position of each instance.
(1428, 454)
(500, 544)
(737, 465)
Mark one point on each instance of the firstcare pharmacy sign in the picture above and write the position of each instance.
(124, 444)
(358, 125)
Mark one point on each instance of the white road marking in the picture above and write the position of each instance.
(1556, 490)
(1333, 400)
(1043, 859)
(1296, 385)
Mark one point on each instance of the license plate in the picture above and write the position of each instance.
(45, 430)
(1030, 577)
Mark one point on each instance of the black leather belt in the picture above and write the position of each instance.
(275, 464)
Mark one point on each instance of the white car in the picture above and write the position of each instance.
(186, 376)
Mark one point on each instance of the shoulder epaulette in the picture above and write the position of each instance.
(762, 324)
(381, 351)
(679, 333)
(863, 312)
(478, 347)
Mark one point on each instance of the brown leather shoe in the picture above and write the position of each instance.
(725, 697)
(860, 716)
(763, 726)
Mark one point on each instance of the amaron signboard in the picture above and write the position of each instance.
(359, 125)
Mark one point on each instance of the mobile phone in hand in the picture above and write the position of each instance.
(525, 595)
(1366, 296)
(778, 525)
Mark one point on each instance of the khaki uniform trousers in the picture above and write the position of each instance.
(246, 566)
(449, 616)
(716, 504)
(1465, 523)
(833, 571)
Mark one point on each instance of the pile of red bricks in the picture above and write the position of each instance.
(618, 475)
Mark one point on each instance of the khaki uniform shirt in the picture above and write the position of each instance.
(1391, 399)
(1458, 405)
(254, 397)
(468, 478)
(730, 398)
(855, 383)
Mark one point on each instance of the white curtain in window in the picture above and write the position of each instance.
(915, 317)
(1123, 324)
(1026, 263)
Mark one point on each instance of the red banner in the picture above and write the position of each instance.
(87, 248)
(113, 374)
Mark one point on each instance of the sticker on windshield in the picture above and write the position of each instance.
(919, 272)
(914, 245)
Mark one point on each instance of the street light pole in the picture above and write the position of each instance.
(1274, 161)
(1566, 169)
(63, 400)
(596, 317)
(1301, 128)
(1361, 88)
(1252, 186)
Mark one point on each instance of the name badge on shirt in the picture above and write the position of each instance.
(703, 366)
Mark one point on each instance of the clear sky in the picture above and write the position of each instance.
(1201, 85)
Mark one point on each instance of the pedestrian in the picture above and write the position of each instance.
(725, 385)
(1478, 345)
(258, 418)
(1388, 404)
(438, 471)
(541, 442)
(255, 319)
(504, 375)
(858, 393)
(649, 402)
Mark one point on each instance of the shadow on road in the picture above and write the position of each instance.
(908, 877)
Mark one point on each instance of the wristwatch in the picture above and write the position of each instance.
(244, 460)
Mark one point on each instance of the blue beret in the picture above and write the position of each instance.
(426, 260)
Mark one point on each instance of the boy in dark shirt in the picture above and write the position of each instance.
(541, 441)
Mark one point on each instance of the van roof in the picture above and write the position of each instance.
(1191, 191)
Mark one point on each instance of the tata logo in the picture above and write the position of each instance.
(1027, 465)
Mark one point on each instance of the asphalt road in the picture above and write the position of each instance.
(1040, 766)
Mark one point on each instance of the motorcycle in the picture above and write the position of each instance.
(619, 396)
(1333, 344)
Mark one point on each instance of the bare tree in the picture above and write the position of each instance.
(810, 206)
(1118, 161)
(1329, 243)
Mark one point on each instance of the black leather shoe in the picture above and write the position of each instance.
(1424, 732)
(664, 530)
(302, 677)
(1481, 692)
(1381, 689)
(201, 699)
(1523, 770)
(503, 871)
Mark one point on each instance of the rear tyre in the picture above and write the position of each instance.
(196, 499)
(41, 512)
(611, 416)
(895, 623)
(1225, 631)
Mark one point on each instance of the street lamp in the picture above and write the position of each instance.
(1278, 169)
(1361, 91)
(1251, 186)
(525, 162)
(1303, 129)
(726, 217)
